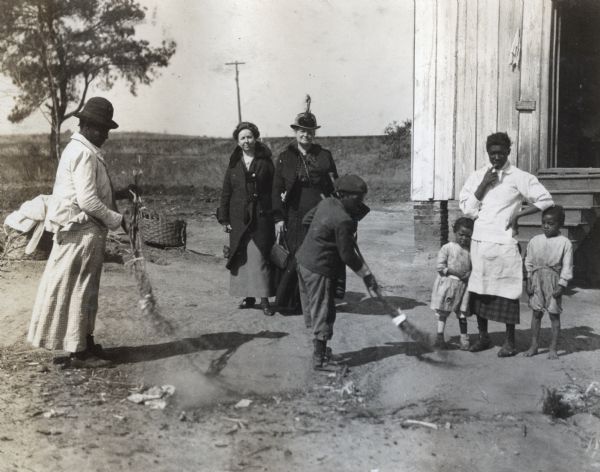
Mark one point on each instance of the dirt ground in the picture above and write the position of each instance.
(481, 413)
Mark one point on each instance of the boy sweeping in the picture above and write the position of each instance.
(328, 245)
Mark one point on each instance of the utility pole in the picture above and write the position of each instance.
(237, 86)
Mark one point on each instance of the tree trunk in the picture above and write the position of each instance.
(55, 140)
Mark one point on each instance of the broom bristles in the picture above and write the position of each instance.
(401, 320)
(420, 337)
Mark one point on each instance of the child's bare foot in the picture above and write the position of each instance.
(532, 351)
(552, 355)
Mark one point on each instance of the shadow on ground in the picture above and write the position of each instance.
(229, 342)
(376, 353)
(576, 339)
(355, 302)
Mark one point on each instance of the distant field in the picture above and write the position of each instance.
(177, 164)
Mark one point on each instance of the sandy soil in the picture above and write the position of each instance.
(487, 410)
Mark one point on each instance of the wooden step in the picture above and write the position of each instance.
(573, 216)
(576, 198)
(569, 171)
(576, 233)
(578, 182)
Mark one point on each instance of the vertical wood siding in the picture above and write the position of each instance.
(454, 114)
(544, 158)
(554, 86)
(445, 79)
(531, 68)
(487, 74)
(510, 22)
(466, 92)
(422, 169)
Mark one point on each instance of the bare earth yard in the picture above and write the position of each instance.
(487, 410)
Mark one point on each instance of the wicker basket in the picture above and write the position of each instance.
(160, 230)
(15, 242)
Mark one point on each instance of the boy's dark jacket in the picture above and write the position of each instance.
(330, 241)
(246, 202)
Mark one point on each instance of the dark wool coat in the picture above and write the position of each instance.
(300, 197)
(246, 204)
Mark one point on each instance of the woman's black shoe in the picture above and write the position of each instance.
(87, 360)
(94, 348)
(247, 302)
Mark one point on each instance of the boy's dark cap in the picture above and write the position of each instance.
(351, 184)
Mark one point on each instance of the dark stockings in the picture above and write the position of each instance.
(462, 325)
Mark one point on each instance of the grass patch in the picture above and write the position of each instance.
(186, 165)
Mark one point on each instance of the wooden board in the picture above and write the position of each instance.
(529, 122)
(423, 140)
(445, 80)
(509, 77)
(466, 93)
(544, 157)
(487, 74)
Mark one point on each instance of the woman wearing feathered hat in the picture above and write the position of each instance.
(304, 174)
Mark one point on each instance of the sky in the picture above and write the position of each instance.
(354, 58)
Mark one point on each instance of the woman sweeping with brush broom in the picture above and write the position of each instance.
(81, 211)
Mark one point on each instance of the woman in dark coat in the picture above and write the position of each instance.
(245, 212)
(304, 174)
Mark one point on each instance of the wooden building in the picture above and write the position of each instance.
(527, 67)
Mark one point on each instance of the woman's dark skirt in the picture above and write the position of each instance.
(495, 308)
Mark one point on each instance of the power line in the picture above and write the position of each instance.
(237, 86)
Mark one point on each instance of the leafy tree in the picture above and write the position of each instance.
(398, 138)
(52, 50)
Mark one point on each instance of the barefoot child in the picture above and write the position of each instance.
(454, 268)
(549, 266)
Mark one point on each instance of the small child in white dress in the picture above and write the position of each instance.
(449, 289)
(549, 266)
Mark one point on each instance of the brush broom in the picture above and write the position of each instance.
(399, 318)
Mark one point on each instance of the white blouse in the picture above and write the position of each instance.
(247, 160)
(82, 190)
(501, 202)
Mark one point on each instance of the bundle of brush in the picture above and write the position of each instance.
(147, 301)
(400, 319)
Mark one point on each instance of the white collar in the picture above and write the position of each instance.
(83, 140)
(507, 168)
(247, 160)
